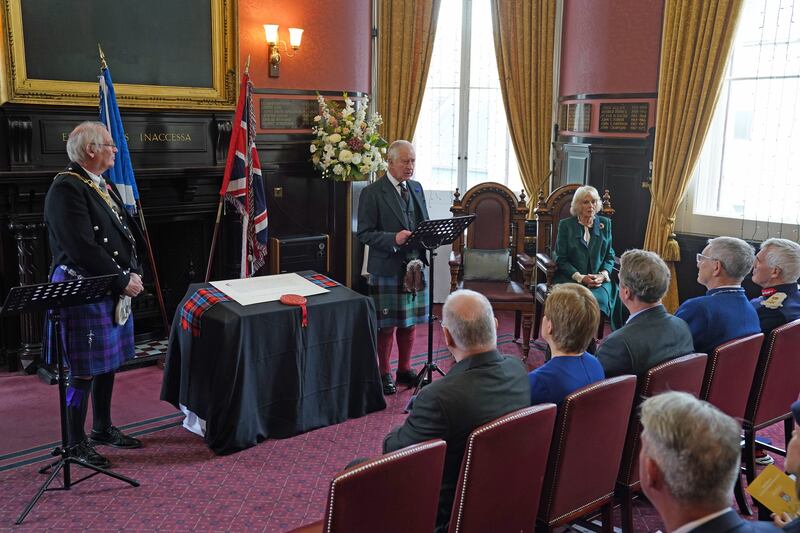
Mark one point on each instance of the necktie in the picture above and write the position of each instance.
(404, 192)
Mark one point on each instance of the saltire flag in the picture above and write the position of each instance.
(121, 174)
(243, 185)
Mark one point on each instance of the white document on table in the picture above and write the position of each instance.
(262, 289)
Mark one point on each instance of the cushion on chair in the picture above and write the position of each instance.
(488, 265)
(500, 291)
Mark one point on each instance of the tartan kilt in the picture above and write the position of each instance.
(396, 308)
(91, 343)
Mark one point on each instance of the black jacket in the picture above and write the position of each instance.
(648, 339)
(380, 217)
(477, 390)
(86, 234)
(730, 522)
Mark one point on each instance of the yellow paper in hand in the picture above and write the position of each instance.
(776, 491)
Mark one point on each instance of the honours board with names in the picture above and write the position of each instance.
(624, 117)
(287, 114)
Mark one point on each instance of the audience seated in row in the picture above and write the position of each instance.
(570, 319)
(776, 270)
(689, 463)
(651, 335)
(724, 313)
(482, 386)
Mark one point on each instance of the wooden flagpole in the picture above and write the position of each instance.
(151, 259)
(219, 209)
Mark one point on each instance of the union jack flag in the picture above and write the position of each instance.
(243, 185)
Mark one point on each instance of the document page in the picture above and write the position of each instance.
(267, 288)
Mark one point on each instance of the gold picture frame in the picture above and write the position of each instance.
(17, 87)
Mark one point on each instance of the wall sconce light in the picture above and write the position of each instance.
(271, 34)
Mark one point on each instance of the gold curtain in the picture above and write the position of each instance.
(523, 43)
(696, 42)
(405, 44)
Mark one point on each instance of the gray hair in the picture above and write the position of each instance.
(391, 152)
(737, 257)
(84, 134)
(783, 254)
(580, 193)
(469, 318)
(695, 445)
(645, 274)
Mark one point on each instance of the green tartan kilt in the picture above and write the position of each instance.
(396, 308)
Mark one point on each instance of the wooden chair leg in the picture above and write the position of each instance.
(626, 509)
(527, 321)
(749, 452)
(517, 324)
(537, 318)
(741, 499)
(608, 517)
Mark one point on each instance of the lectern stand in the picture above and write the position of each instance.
(431, 234)
(53, 297)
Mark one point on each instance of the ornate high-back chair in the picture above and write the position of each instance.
(490, 257)
(549, 212)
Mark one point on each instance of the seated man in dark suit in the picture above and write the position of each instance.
(688, 465)
(481, 386)
(651, 335)
(724, 313)
(776, 270)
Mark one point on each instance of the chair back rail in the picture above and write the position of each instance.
(502, 472)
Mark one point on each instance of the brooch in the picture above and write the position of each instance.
(775, 301)
(602, 226)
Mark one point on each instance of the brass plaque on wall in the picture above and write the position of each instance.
(624, 117)
(287, 114)
(576, 117)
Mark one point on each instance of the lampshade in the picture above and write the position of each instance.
(295, 36)
(271, 33)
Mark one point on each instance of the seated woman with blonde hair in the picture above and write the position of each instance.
(571, 316)
(583, 249)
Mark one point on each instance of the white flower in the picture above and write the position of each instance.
(367, 146)
(334, 138)
(383, 150)
(345, 156)
(317, 118)
(338, 170)
(313, 148)
(356, 159)
(342, 144)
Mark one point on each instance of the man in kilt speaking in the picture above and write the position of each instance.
(388, 212)
(91, 234)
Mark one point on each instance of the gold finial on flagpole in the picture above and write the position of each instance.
(103, 64)
(247, 65)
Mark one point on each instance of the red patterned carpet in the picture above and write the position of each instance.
(275, 486)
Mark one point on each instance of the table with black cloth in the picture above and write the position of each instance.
(254, 372)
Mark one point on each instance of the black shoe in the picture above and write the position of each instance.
(85, 453)
(114, 437)
(388, 384)
(406, 377)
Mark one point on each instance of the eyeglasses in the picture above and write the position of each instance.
(700, 257)
(112, 145)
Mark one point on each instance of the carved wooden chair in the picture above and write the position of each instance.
(499, 227)
(549, 212)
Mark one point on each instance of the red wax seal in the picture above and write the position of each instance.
(296, 299)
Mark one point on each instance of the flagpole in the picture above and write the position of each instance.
(149, 247)
(219, 209)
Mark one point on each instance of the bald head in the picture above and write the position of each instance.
(468, 317)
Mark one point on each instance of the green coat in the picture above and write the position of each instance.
(573, 255)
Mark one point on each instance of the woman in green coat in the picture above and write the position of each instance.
(583, 248)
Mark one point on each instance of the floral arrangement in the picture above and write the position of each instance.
(347, 145)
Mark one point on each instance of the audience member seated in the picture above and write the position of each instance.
(792, 466)
(688, 464)
(651, 335)
(583, 248)
(481, 386)
(776, 270)
(724, 313)
(571, 316)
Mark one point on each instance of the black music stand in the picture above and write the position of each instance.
(431, 234)
(52, 297)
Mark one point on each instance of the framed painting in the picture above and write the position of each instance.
(175, 54)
